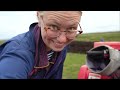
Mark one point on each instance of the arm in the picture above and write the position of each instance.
(14, 63)
(13, 66)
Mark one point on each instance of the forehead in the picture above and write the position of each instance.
(62, 15)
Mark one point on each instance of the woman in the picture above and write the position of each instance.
(40, 52)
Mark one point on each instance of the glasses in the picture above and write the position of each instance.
(54, 31)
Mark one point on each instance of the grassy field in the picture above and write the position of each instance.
(72, 65)
(1, 41)
(107, 36)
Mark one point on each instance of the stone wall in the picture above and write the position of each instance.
(80, 46)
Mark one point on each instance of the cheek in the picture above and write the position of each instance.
(47, 40)
(50, 42)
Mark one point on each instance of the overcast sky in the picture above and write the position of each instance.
(16, 22)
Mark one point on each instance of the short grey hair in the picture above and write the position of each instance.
(42, 12)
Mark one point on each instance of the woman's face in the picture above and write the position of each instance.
(59, 20)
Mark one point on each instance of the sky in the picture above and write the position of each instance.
(13, 23)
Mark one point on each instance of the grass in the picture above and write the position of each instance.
(1, 41)
(107, 36)
(72, 65)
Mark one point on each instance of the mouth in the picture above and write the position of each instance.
(58, 45)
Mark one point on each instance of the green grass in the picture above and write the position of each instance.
(1, 41)
(72, 65)
(107, 36)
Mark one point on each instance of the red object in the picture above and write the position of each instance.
(84, 73)
(115, 45)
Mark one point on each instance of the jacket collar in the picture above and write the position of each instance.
(41, 59)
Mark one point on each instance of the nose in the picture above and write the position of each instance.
(62, 37)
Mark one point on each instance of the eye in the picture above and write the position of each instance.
(54, 27)
(72, 28)
(71, 31)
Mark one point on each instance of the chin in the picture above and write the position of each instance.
(57, 49)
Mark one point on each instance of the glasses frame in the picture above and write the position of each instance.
(46, 28)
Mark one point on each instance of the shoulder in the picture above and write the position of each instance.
(15, 62)
(18, 49)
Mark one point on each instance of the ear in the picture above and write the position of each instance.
(39, 18)
(39, 15)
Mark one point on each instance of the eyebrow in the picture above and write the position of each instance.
(74, 24)
(56, 22)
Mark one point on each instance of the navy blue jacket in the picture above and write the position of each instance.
(17, 59)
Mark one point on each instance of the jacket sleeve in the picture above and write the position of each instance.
(14, 63)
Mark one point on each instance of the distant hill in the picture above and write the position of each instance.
(106, 36)
(92, 37)
(1, 41)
